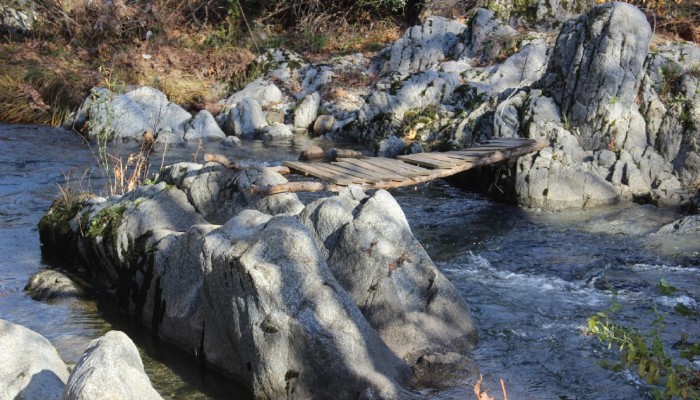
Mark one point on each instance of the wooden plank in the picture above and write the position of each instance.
(369, 169)
(440, 157)
(310, 169)
(421, 159)
(463, 157)
(492, 158)
(399, 165)
(341, 172)
(395, 168)
(356, 172)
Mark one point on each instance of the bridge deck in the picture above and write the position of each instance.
(386, 173)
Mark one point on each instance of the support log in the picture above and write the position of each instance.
(223, 160)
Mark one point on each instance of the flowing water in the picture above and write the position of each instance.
(531, 279)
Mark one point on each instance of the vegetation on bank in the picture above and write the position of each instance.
(198, 51)
(669, 369)
(195, 51)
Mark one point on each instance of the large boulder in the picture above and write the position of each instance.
(30, 367)
(594, 74)
(204, 127)
(375, 257)
(306, 111)
(254, 296)
(110, 368)
(259, 90)
(105, 115)
(297, 332)
(246, 119)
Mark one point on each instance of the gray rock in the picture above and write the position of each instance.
(484, 38)
(127, 116)
(17, 17)
(683, 226)
(203, 126)
(246, 118)
(218, 193)
(51, 285)
(161, 113)
(296, 330)
(422, 47)
(679, 133)
(232, 141)
(110, 368)
(384, 109)
(275, 131)
(552, 186)
(595, 71)
(374, 256)
(323, 124)
(315, 79)
(521, 69)
(255, 297)
(263, 92)
(540, 14)
(170, 137)
(391, 147)
(30, 367)
(274, 116)
(306, 111)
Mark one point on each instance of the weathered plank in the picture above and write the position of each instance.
(311, 169)
(369, 169)
(356, 172)
(398, 165)
(343, 174)
(422, 159)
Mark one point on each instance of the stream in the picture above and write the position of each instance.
(531, 278)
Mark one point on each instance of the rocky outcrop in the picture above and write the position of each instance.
(595, 72)
(374, 256)
(30, 367)
(422, 47)
(110, 368)
(259, 293)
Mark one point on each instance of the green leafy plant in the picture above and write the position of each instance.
(644, 352)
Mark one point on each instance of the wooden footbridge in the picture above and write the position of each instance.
(386, 173)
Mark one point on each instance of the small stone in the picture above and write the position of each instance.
(323, 124)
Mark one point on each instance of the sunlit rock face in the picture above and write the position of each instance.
(334, 299)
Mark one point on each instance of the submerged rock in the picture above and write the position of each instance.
(51, 285)
(110, 368)
(30, 367)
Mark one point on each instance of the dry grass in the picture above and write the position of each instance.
(679, 19)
